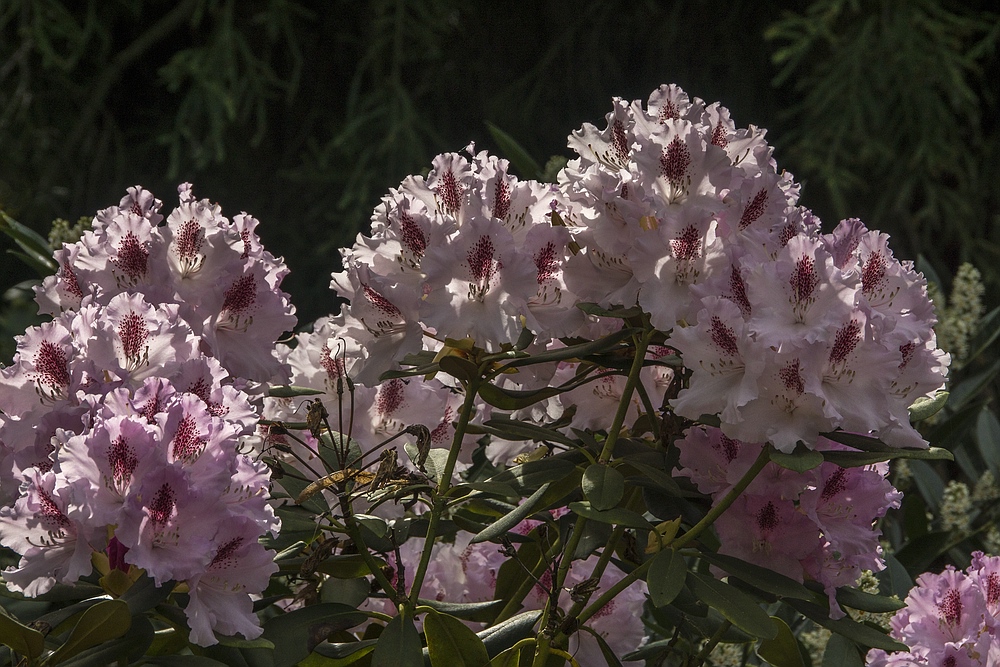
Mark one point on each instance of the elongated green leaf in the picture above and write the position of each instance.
(124, 650)
(841, 652)
(736, 606)
(291, 391)
(782, 651)
(398, 645)
(618, 516)
(603, 486)
(458, 367)
(106, 620)
(877, 604)
(988, 439)
(144, 594)
(989, 330)
(799, 461)
(515, 399)
(578, 351)
(858, 459)
(862, 634)
(296, 633)
(658, 476)
(609, 654)
(467, 611)
(450, 643)
(666, 577)
(348, 652)
(26, 641)
(620, 313)
(925, 406)
(760, 577)
(505, 634)
(507, 523)
(183, 661)
(529, 476)
(525, 165)
(865, 443)
(512, 429)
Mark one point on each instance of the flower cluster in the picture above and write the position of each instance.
(122, 417)
(818, 524)
(950, 618)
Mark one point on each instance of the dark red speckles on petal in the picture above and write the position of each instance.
(121, 459)
(546, 263)
(440, 433)
(804, 279)
(675, 161)
(669, 111)
(132, 258)
(619, 141)
(390, 397)
(873, 274)
(950, 607)
(844, 342)
(225, 557)
(738, 287)
(836, 484)
(724, 337)
(189, 239)
(767, 518)
(133, 334)
(450, 193)
(728, 447)
(335, 368)
(188, 442)
(791, 376)
(501, 198)
(50, 512)
(687, 245)
(754, 209)
(245, 237)
(411, 235)
(720, 136)
(907, 350)
(162, 506)
(51, 366)
(69, 281)
(993, 588)
(788, 232)
(383, 304)
(480, 257)
(241, 295)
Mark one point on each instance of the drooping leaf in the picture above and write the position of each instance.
(666, 577)
(398, 645)
(26, 641)
(507, 522)
(799, 461)
(291, 391)
(927, 406)
(512, 429)
(297, 632)
(515, 399)
(529, 476)
(578, 351)
(736, 606)
(603, 486)
(618, 516)
(525, 165)
(609, 653)
(988, 439)
(760, 577)
(450, 643)
(841, 652)
(503, 635)
(620, 313)
(458, 367)
(876, 604)
(782, 650)
(859, 459)
(862, 634)
(467, 611)
(106, 620)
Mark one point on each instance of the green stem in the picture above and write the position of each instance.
(542, 646)
(626, 400)
(712, 643)
(514, 604)
(440, 501)
(355, 533)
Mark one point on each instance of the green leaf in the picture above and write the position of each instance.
(296, 633)
(529, 476)
(512, 429)
(459, 367)
(437, 461)
(578, 351)
(841, 652)
(620, 313)
(782, 651)
(291, 391)
(865, 443)
(19, 637)
(802, 460)
(505, 634)
(124, 650)
(603, 486)
(450, 643)
(618, 516)
(515, 399)
(467, 611)
(862, 634)
(760, 577)
(988, 439)
(858, 599)
(106, 620)
(144, 594)
(972, 387)
(736, 606)
(398, 645)
(525, 165)
(183, 661)
(656, 475)
(666, 577)
(859, 459)
(609, 654)
(507, 522)
(925, 406)
(346, 653)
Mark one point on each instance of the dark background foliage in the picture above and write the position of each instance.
(304, 112)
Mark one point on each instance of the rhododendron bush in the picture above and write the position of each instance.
(631, 415)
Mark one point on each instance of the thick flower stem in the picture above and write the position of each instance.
(354, 531)
(626, 399)
(440, 502)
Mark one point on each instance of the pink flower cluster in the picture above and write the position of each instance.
(123, 416)
(950, 619)
(818, 524)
